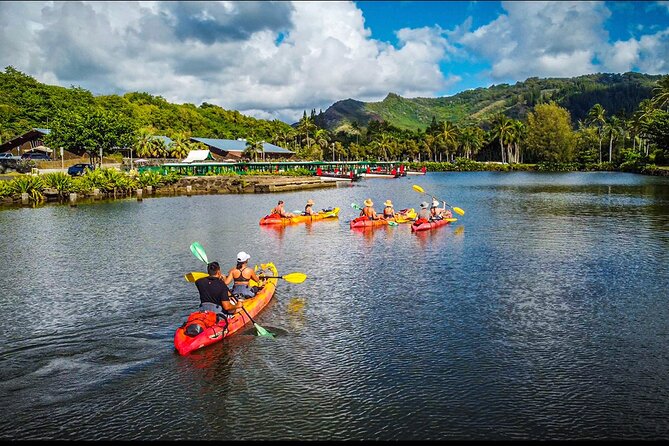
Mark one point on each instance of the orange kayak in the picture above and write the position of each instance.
(275, 219)
(208, 331)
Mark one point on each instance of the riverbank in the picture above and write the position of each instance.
(182, 186)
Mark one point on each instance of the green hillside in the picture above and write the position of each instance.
(26, 103)
(617, 93)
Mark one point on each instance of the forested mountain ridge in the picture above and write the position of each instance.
(619, 94)
(26, 103)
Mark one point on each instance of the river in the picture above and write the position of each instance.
(540, 314)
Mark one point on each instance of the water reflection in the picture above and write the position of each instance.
(542, 320)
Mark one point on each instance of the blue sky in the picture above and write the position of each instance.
(273, 60)
(629, 19)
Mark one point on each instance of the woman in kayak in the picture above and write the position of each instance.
(240, 275)
(368, 211)
(388, 211)
(308, 208)
(437, 213)
(280, 211)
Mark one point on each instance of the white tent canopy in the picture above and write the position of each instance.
(197, 155)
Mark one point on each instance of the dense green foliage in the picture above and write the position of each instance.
(618, 93)
(553, 122)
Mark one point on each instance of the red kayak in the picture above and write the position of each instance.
(364, 222)
(202, 329)
(423, 225)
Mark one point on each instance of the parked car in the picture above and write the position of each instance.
(8, 156)
(36, 156)
(79, 169)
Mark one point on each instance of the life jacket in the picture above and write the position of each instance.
(198, 322)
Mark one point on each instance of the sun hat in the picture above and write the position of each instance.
(388, 203)
(423, 204)
(435, 204)
(368, 202)
(310, 201)
(243, 257)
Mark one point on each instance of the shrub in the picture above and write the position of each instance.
(32, 185)
(60, 181)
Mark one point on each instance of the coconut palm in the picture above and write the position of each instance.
(253, 147)
(597, 117)
(448, 134)
(613, 129)
(661, 93)
(501, 126)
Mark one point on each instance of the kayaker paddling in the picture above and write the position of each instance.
(215, 294)
(240, 275)
(437, 213)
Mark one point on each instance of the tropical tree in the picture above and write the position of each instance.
(550, 136)
(501, 126)
(94, 132)
(612, 129)
(322, 137)
(661, 93)
(253, 148)
(448, 132)
(470, 139)
(597, 117)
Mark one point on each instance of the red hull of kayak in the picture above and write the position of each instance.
(428, 225)
(185, 344)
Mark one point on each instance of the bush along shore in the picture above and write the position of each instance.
(113, 183)
(467, 165)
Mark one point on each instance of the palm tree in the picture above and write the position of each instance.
(501, 126)
(322, 137)
(180, 146)
(516, 136)
(661, 93)
(253, 147)
(613, 129)
(449, 134)
(148, 145)
(597, 117)
(306, 126)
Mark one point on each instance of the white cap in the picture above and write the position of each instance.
(435, 204)
(243, 257)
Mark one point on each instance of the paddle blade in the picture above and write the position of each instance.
(459, 211)
(392, 223)
(198, 252)
(450, 220)
(295, 277)
(355, 206)
(192, 277)
(417, 188)
(262, 332)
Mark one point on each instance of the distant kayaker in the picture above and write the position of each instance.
(279, 210)
(368, 211)
(424, 212)
(388, 210)
(308, 210)
(240, 276)
(215, 294)
(437, 213)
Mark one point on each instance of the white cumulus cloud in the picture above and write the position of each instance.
(268, 59)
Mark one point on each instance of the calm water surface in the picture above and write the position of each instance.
(541, 314)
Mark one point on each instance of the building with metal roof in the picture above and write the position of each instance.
(24, 143)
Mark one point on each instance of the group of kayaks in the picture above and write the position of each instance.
(402, 216)
(203, 328)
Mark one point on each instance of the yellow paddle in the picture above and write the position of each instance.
(291, 277)
(457, 210)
